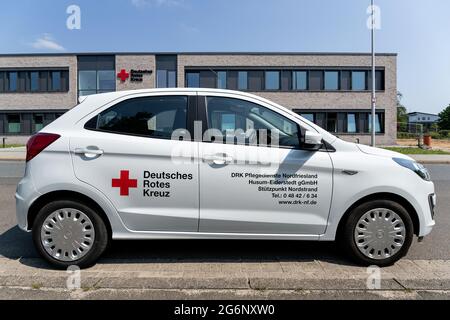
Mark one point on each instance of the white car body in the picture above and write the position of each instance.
(213, 203)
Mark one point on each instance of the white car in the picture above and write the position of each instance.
(213, 164)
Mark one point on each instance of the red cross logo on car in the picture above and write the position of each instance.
(123, 75)
(124, 183)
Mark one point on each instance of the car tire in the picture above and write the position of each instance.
(382, 214)
(87, 217)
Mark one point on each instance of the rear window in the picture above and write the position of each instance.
(156, 117)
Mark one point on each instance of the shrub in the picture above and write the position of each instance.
(444, 133)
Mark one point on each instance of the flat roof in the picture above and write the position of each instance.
(417, 112)
(199, 53)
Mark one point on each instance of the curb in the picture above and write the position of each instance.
(12, 159)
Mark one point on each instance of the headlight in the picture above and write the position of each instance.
(414, 166)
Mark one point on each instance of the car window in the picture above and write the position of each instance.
(156, 117)
(243, 122)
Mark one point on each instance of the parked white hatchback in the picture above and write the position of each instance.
(212, 164)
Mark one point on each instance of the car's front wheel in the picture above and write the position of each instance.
(378, 232)
(67, 232)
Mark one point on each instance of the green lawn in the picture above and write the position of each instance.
(11, 145)
(407, 150)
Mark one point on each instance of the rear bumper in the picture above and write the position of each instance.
(25, 195)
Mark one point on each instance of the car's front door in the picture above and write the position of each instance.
(254, 176)
(127, 153)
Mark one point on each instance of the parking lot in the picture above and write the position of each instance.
(223, 269)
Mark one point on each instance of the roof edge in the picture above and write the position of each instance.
(198, 53)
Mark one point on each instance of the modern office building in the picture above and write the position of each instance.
(331, 89)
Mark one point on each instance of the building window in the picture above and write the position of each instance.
(272, 80)
(379, 80)
(14, 123)
(166, 79)
(87, 82)
(332, 122)
(12, 81)
(358, 80)
(166, 71)
(2, 81)
(38, 122)
(34, 81)
(351, 123)
(222, 79)
(308, 116)
(242, 80)
(346, 80)
(331, 80)
(255, 80)
(96, 74)
(377, 122)
(193, 79)
(43, 81)
(299, 80)
(106, 81)
(56, 81)
(315, 80)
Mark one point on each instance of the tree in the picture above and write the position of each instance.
(444, 119)
(402, 114)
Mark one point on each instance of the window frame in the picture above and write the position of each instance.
(191, 105)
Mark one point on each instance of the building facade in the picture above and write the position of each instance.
(331, 89)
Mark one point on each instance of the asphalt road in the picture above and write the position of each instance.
(15, 244)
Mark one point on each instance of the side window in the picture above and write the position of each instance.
(243, 122)
(156, 117)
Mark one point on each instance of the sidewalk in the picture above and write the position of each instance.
(18, 154)
(14, 154)
(407, 279)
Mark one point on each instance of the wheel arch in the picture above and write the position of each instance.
(382, 196)
(40, 202)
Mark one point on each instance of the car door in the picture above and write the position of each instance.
(257, 183)
(127, 153)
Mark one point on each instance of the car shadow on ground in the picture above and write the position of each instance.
(18, 245)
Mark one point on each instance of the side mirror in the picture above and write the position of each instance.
(312, 141)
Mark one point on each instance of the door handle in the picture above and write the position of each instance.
(218, 159)
(89, 153)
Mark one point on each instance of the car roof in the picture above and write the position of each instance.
(119, 94)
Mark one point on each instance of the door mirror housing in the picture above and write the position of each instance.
(312, 141)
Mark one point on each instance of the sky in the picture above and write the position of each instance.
(417, 30)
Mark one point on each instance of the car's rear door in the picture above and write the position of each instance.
(127, 153)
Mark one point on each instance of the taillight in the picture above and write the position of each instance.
(39, 142)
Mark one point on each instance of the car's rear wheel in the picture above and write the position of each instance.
(67, 233)
(378, 232)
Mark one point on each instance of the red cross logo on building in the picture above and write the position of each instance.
(124, 183)
(123, 75)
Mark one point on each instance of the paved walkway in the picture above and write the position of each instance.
(13, 154)
(410, 279)
(20, 153)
